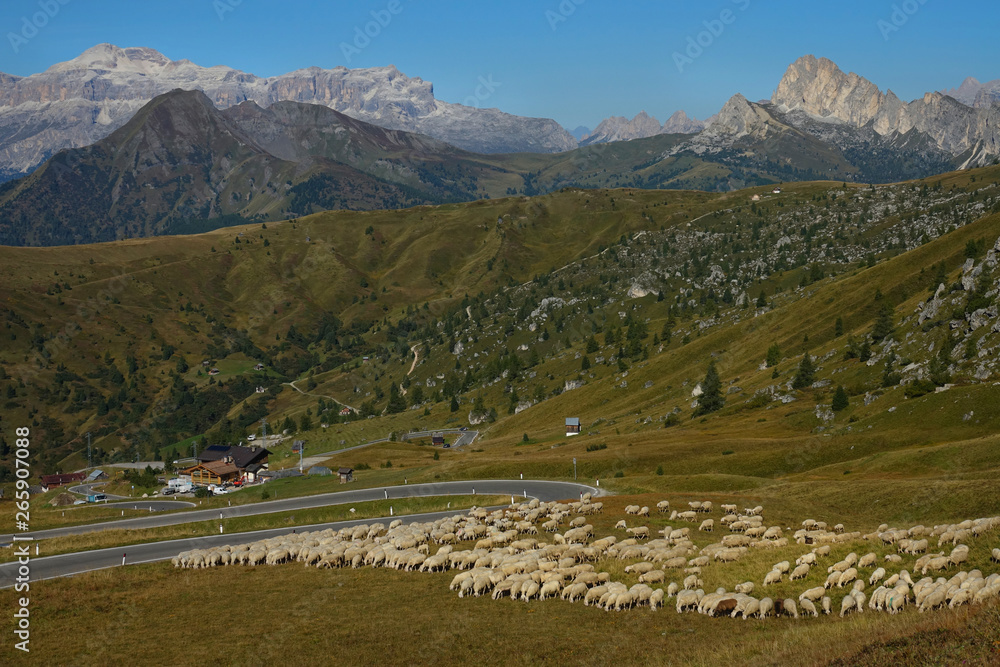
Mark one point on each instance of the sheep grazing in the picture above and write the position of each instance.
(724, 607)
(773, 577)
(808, 607)
(800, 572)
(652, 577)
(640, 532)
(505, 562)
(847, 605)
(639, 568)
(663, 506)
(708, 525)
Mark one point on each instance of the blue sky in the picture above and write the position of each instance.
(576, 61)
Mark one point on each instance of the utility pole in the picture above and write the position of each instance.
(90, 455)
(301, 448)
(263, 428)
(574, 468)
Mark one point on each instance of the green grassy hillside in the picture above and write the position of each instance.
(607, 305)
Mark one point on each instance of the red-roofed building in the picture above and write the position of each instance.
(53, 481)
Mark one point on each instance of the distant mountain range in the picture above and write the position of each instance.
(75, 103)
(822, 118)
(181, 164)
(619, 128)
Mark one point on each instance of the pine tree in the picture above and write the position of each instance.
(838, 327)
(762, 300)
(773, 355)
(804, 377)
(454, 404)
(585, 363)
(940, 277)
(711, 398)
(397, 403)
(884, 326)
(840, 400)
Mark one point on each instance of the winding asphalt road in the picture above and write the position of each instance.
(85, 561)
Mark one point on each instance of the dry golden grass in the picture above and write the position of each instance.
(157, 615)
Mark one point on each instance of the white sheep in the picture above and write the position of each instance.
(708, 525)
(766, 607)
(773, 577)
(808, 607)
(847, 605)
(652, 577)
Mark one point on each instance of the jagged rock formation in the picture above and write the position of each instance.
(681, 123)
(78, 102)
(818, 87)
(974, 94)
(619, 128)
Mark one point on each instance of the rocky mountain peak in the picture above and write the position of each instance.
(620, 128)
(818, 87)
(972, 93)
(681, 123)
(108, 57)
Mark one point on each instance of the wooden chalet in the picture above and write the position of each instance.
(212, 472)
(572, 426)
(248, 461)
(53, 481)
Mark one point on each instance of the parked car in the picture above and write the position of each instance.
(464, 428)
(169, 491)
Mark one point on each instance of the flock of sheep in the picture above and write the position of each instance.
(508, 560)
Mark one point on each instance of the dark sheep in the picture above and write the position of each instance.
(725, 607)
